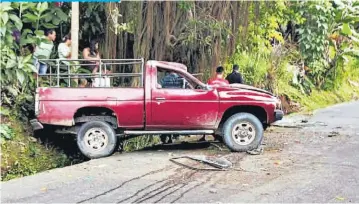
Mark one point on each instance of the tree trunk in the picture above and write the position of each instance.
(164, 30)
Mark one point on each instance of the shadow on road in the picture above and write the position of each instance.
(208, 146)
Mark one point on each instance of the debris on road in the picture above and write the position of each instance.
(257, 151)
(219, 164)
(333, 133)
(101, 166)
(220, 149)
(297, 122)
(340, 198)
(213, 190)
(304, 121)
(278, 162)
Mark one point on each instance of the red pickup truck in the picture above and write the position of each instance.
(98, 116)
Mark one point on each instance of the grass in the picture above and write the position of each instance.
(140, 142)
(22, 155)
(321, 98)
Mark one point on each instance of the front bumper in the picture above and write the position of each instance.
(278, 115)
(36, 125)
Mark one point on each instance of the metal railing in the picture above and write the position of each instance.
(68, 69)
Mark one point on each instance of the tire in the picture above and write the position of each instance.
(105, 139)
(247, 129)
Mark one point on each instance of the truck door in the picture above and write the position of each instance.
(183, 107)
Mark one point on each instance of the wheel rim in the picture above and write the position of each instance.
(243, 133)
(96, 139)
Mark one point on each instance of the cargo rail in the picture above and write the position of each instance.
(67, 69)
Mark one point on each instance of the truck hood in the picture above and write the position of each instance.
(252, 88)
(240, 92)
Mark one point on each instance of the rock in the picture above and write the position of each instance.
(213, 190)
(32, 139)
(278, 162)
(101, 165)
(333, 133)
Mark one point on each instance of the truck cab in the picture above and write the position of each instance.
(99, 116)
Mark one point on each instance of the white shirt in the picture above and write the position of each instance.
(63, 51)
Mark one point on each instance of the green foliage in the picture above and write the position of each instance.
(264, 26)
(22, 155)
(40, 15)
(138, 143)
(253, 67)
(6, 132)
(21, 25)
(92, 21)
(324, 58)
(326, 37)
(314, 32)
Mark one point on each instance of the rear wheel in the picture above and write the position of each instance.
(96, 139)
(242, 132)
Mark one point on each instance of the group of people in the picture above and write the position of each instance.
(92, 56)
(43, 52)
(233, 78)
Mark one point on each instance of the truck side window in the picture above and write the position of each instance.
(170, 80)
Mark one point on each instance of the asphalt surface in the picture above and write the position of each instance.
(318, 162)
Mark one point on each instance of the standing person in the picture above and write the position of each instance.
(218, 80)
(235, 76)
(64, 49)
(43, 51)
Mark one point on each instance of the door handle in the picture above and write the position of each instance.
(160, 99)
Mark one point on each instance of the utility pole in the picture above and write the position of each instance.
(75, 30)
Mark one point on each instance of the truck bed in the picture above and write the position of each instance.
(58, 106)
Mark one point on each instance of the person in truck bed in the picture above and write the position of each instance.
(218, 80)
(43, 51)
(64, 49)
(91, 54)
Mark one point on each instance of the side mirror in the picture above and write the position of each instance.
(207, 87)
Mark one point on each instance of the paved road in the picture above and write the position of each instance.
(317, 163)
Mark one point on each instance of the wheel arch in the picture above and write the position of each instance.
(91, 113)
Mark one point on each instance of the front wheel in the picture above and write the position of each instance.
(242, 132)
(96, 139)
